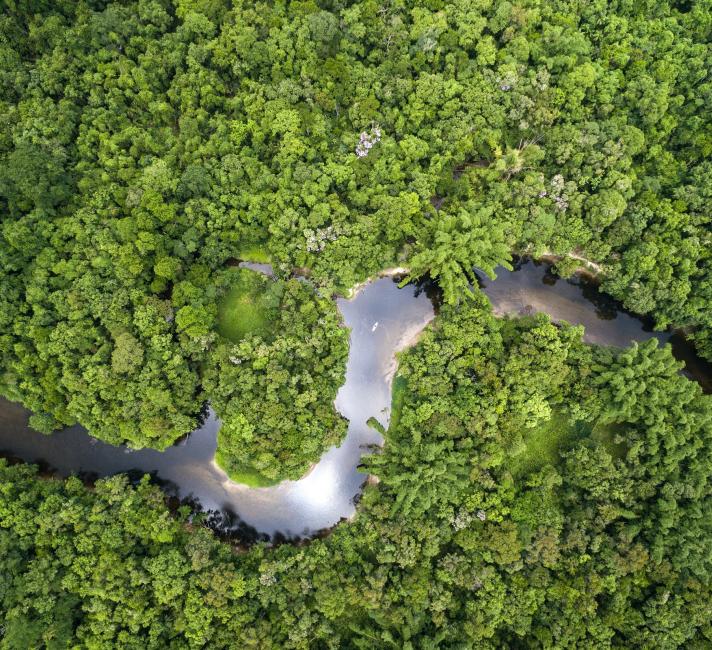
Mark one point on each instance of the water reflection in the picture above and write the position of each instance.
(382, 319)
(292, 509)
(533, 287)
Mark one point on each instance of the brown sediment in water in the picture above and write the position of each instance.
(407, 340)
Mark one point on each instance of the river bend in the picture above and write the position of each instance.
(383, 319)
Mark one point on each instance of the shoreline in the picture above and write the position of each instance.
(408, 340)
(230, 482)
(391, 272)
(590, 269)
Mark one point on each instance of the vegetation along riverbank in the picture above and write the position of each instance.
(534, 490)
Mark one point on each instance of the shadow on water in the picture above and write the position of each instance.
(426, 286)
(228, 525)
(382, 319)
(606, 307)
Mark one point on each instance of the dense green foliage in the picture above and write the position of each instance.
(602, 544)
(274, 379)
(251, 306)
(534, 491)
(143, 144)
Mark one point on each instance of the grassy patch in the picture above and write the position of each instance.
(248, 307)
(254, 253)
(543, 445)
(397, 399)
(606, 435)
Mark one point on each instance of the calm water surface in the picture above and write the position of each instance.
(383, 319)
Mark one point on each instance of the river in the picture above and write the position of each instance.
(383, 320)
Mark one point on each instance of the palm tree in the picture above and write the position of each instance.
(459, 244)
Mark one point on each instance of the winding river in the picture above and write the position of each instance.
(383, 320)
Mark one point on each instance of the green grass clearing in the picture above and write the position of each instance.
(254, 253)
(248, 307)
(397, 398)
(606, 435)
(543, 445)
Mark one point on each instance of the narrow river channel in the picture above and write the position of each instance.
(383, 320)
